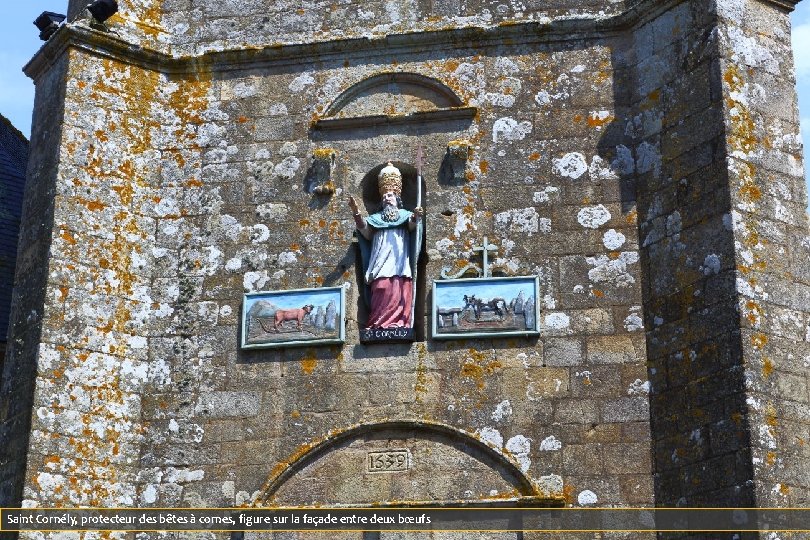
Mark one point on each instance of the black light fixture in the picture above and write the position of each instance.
(101, 10)
(47, 23)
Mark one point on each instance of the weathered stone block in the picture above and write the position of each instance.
(226, 404)
(612, 350)
(631, 409)
(576, 411)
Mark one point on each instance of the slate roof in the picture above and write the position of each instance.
(13, 160)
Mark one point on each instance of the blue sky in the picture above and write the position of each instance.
(450, 295)
(19, 41)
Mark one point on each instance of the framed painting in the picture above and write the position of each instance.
(298, 317)
(486, 307)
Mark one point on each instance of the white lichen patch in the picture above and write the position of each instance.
(233, 264)
(557, 321)
(545, 195)
(550, 485)
(612, 271)
(255, 281)
(525, 220)
(491, 436)
(550, 444)
(287, 168)
(500, 100)
(149, 494)
(648, 158)
(183, 476)
(301, 82)
(613, 240)
(586, 497)
(638, 388)
(571, 165)
(599, 170)
(508, 129)
(506, 66)
(542, 98)
(229, 225)
(502, 410)
(272, 211)
(593, 217)
(167, 207)
(260, 234)
(289, 148)
(519, 447)
(633, 322)
(623, 163)
(287, 258)
(711, 265)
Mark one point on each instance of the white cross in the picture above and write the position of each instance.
(485, 249)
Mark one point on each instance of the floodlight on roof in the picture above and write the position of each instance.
(47, 23)
(101, 10)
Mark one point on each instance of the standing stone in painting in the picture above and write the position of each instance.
(519, 301)
(331, 315)
(529, 312)
(319, 317)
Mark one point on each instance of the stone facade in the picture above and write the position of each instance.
(643, 158)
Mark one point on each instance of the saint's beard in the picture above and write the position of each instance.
(390, 213)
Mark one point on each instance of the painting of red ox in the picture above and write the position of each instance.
(292, 318)
(485, 307)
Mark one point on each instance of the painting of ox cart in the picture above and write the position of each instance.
(293, 318)
(485, 307)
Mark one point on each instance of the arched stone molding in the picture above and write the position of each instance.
(446, 465)
(394, 98)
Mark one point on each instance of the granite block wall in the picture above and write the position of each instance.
(643, 161)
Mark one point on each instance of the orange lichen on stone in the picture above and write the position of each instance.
(534, 156)
(308, 364)
(767, 368)
(67, 237)
(478, 366)
(759, 340)
(594, 120)
(770, 415)
(92, 205)
(125, 193)
(147, 16)
(569, 494)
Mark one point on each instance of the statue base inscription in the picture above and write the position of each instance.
(386, 335)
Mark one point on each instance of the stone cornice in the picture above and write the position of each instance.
(788, 5)
(108, 45)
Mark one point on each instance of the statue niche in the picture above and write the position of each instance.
(390, 240)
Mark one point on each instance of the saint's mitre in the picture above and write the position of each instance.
(390, 179)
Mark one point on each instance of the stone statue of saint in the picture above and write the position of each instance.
(389, 252)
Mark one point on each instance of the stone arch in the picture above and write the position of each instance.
(423, 90)
(394, 98)
(445, 465)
